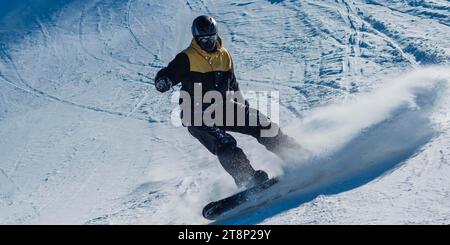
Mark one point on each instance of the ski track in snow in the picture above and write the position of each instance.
(85, 139)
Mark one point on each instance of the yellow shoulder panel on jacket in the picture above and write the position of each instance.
(203, 62)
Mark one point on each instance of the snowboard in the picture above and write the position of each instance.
(220, 208)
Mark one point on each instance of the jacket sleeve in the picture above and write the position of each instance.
(177, 70)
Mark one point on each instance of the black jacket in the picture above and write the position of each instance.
(193, 65)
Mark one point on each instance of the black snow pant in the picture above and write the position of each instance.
(232, 158)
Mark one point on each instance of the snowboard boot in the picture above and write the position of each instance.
(258, 177)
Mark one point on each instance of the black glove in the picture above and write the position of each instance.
(163, 84)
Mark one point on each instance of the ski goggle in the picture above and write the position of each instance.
(207, 39)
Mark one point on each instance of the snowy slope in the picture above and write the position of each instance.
(85, 138)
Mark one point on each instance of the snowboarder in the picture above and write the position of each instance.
(208, 64)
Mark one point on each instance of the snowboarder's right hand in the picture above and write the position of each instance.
(163, 84)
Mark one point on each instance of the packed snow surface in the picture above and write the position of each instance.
(86, 139)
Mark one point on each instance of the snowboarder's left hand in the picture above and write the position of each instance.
(163, 84)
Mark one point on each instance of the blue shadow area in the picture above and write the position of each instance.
(275, 1)
(19, 18)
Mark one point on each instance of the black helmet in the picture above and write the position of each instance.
(204, 26)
